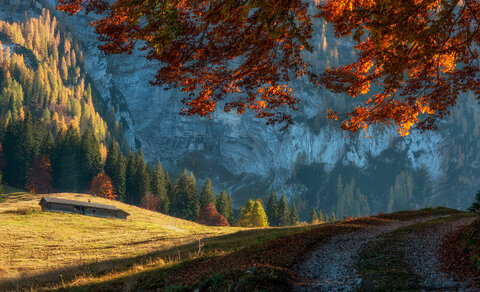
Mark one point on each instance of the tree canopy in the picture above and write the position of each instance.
(414, 58)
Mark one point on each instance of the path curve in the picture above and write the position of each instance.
(331, 267)
(422, 254)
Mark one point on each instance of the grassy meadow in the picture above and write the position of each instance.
(43, 249)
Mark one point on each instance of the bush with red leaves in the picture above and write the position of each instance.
(151, 202)
(210, 217)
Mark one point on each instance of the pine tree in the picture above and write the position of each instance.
(225, 207)
(283, 212)
(326, 218)
(65, 161)
(130, 176)
(142, 178)
(320, 216)
(272, 210)
(184, 204)
(90, 159)
(313, 217)
(294, 215)
(158, 187)
(333, 218)
(115, 168)
(245, 216)
(207, 195)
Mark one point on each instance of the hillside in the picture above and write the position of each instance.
(150, 251)
(35, 242)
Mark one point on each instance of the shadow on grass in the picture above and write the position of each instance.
(228, 243)
(273, 252)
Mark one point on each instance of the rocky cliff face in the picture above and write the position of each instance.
(243, 155)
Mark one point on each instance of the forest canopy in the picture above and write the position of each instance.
(414, 58)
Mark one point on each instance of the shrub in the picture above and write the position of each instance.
(210, 217)
(475, 208)
(151, 202)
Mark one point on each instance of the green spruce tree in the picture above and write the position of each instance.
(283, 212)
(224, 206)
(313, 217)
(131, 182)
(90, 159)
(66, 161)
(115, 167)
(142, 177)
(207, 195)
(272, 210)
(184, 202)
(294, 215)
(333, 218)
(158, 187)
(320, 216)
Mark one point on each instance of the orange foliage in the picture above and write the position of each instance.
(414, 57)
(419, 55)
(240, 52)
(39, 178)
(102, 186)
(209, 216)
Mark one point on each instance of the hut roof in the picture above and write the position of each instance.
(80, 203)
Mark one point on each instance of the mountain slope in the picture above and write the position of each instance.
(314, 162)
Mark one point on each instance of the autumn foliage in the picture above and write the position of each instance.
(102, 186)
(414, 57)
(240, 54)
(39, 178)
(209, 216)
(151, 202)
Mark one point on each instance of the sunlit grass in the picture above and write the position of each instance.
(35, 242)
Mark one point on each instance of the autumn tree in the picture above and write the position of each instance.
(259, 217)
(39, 179)
(252, 215)
(414, 57)
(209, 216)
(151, 202)
(241, 52)
(102, 186)
(245, 216)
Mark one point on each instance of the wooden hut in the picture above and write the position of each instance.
(50, 204)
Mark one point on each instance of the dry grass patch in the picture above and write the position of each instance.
(35, 242)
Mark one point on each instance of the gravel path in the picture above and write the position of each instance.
(332, 266)
(422, 254)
